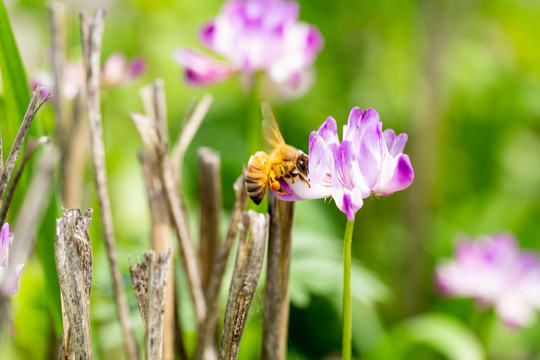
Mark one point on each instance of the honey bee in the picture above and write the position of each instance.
(285, 161)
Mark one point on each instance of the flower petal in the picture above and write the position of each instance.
(352, 128)
(395, 144)
(370, 158)
(396, 174)
(136, 68)
(14, 280)
(201, 69)
(515, 312)
(114, 70)
(314, 43)
(6, 239)
(45, 80)
(208, 33)
(348, 202)
(291, 190)
(328, 131)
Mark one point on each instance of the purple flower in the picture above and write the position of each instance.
(117, 71)
(257, 35)
(367, 161)
(6, 239)
(494, 272)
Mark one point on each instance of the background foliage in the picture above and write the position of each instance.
(462, 78)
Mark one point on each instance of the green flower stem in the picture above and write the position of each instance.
(347, 326)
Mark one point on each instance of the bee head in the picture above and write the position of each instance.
(302, 164)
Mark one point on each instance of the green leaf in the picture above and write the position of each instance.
(317, 269)
(442, 333)
(14, 82)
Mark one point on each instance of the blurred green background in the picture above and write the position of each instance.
(461, 78)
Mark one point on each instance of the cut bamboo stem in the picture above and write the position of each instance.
(190, 260)
(210, 206)
(206, 346)
(73, 255)
(276, 295)
(157, 149)
(247, 268)
(153, 98)
(149, 280)
(92, 35)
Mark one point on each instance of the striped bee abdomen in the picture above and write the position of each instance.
(256, 179)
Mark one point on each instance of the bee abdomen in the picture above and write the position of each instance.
(257, 194)
(256, 177)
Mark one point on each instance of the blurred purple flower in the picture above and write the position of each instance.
(494, 271)
(6, 239)
(367, 161)
(116, 72)
(256, 35)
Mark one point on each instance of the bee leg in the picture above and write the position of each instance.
(304, 180)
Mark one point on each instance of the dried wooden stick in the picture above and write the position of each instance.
(160, 238)
(150, 284)
(152, 137)
(73, 256)
(206, 344)
(188, 253)
(139, 280)
(249, 260)
(191, 125)
(276, 295)
(155, 106)
(32, 146)
(71, 132)
(210, 200)
(154, 128)
(57, 18)
(11, 160)
(156, 305)
(92, 35)
(74, 158)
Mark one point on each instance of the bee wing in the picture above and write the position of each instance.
(270, 127)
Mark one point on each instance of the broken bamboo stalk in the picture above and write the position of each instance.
(153, 98)
(276, 295)
(247, 268)
(206, 342)
(149, 280)
(73, 256)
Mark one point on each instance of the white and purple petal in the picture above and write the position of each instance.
(395, 144)
(328, 131)
(9, 280)
(6, 239)
(201, 69)
(136, 68)
(396, 174)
